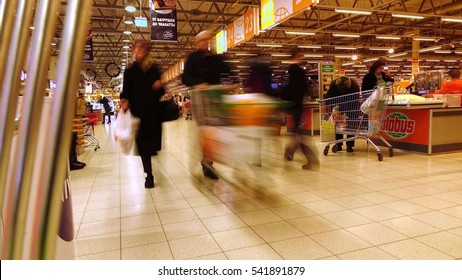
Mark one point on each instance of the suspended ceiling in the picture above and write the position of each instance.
(196, 15)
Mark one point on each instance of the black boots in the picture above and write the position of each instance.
(209, 172)
(149, 183)
(77, 165)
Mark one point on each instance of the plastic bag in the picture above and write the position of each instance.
(371, 103)
(125, 129)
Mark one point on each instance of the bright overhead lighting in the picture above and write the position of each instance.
(127, 32)
(313, 55)
(407, 16)
(428, 39)
(371, 59)
(342, 56)
(128, 21)
(348, 64)
(346, 35)
(280, 55)
(130, 8)
(443, 51)
(295, 32)
(246, 54)
(358, 12)
(391, 51)
(310, 47)
(126, 47)
(450, 60)
(354, 57)
(53, 44)
(243, 66)
(359, 65)
(452, 19)
(269, 45)
(31, 28)
(126, 41)
(432, 60)
(430, 49)
(388, 37)
(379, 49)
(345, 48)
(440, 66)
(232, 61)
(398, 54)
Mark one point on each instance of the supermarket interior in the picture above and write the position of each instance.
(213, 130)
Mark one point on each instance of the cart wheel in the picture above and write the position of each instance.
(335, 148)
(390, 151)
(96, 149)
(326, 150)
(380, 156)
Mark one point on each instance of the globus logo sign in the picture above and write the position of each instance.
(398, 126)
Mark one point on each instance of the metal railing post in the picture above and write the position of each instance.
(18, 46)
(46, 18)
(58, 138)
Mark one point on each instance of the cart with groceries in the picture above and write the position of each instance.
(358, 115)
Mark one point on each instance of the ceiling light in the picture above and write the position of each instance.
(128, 21)
(313, 55)
(232, 61)
(280, 55)
(429, 39)
(430, 49)
(388, 37)
(130, 8)
(450, 60)
(246, 54)
(269, 45)
(358, 12)
(348, 64)
(31, 28)
(452, 19)
(126, 52)
(346, 35)
(342, 56)
(126, 41)
(407, 16)
(310, 47)
(378, 49)
(53, 44)
(398, 54)
(371, 59)
(354, 57)
(127, 32)
(295, 32)
(345, 48)
(391, 50)
(432, 60)
(243, 66)
(126, 47)
(359, 65)
(443, 51)
(440, 66)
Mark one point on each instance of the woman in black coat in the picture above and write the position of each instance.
(142, 89)
(376, 76)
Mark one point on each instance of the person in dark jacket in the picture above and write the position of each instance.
(376, 76)
(203, 68)
(259, 80)
(295, 91)
(142, 89)
(349, 106)
(107, 108)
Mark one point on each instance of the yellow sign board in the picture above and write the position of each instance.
(267, 13)
(221, 42)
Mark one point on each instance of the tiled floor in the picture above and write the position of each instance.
(354, 207)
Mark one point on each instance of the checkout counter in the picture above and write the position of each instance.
(310, 123)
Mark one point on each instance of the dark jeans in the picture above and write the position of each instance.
(73, 151)
(348, 143)
(108, 114)
(147, 164)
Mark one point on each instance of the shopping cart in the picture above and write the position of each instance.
(91, 141)
(358, 115)
(231, 125)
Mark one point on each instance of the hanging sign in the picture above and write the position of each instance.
(273, 12)
(221, 43)
(163, 20)
(88, 51)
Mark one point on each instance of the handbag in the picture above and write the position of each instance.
(169, 111)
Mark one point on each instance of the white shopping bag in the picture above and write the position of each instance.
(125, 129)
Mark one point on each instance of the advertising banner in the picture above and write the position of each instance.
(163, 20)
(250, 24)
(273, 12)
(221, 43)
(408, 126)
(230, 35)
(239, 33)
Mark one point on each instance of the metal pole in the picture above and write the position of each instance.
(57, 154)
(7, 10)
(23, 166)
(15, 60)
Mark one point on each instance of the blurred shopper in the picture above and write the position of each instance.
(376, 76)
(142, 90)
(350, 106)
(203, 68)
(455, 85)
(295, 91)
(107, 108)
(259, 80)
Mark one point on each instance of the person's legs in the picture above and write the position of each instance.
(339, 137)
(350, 144)
(74, 163)
(293, 145)
(108, 117)
(147, 167)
